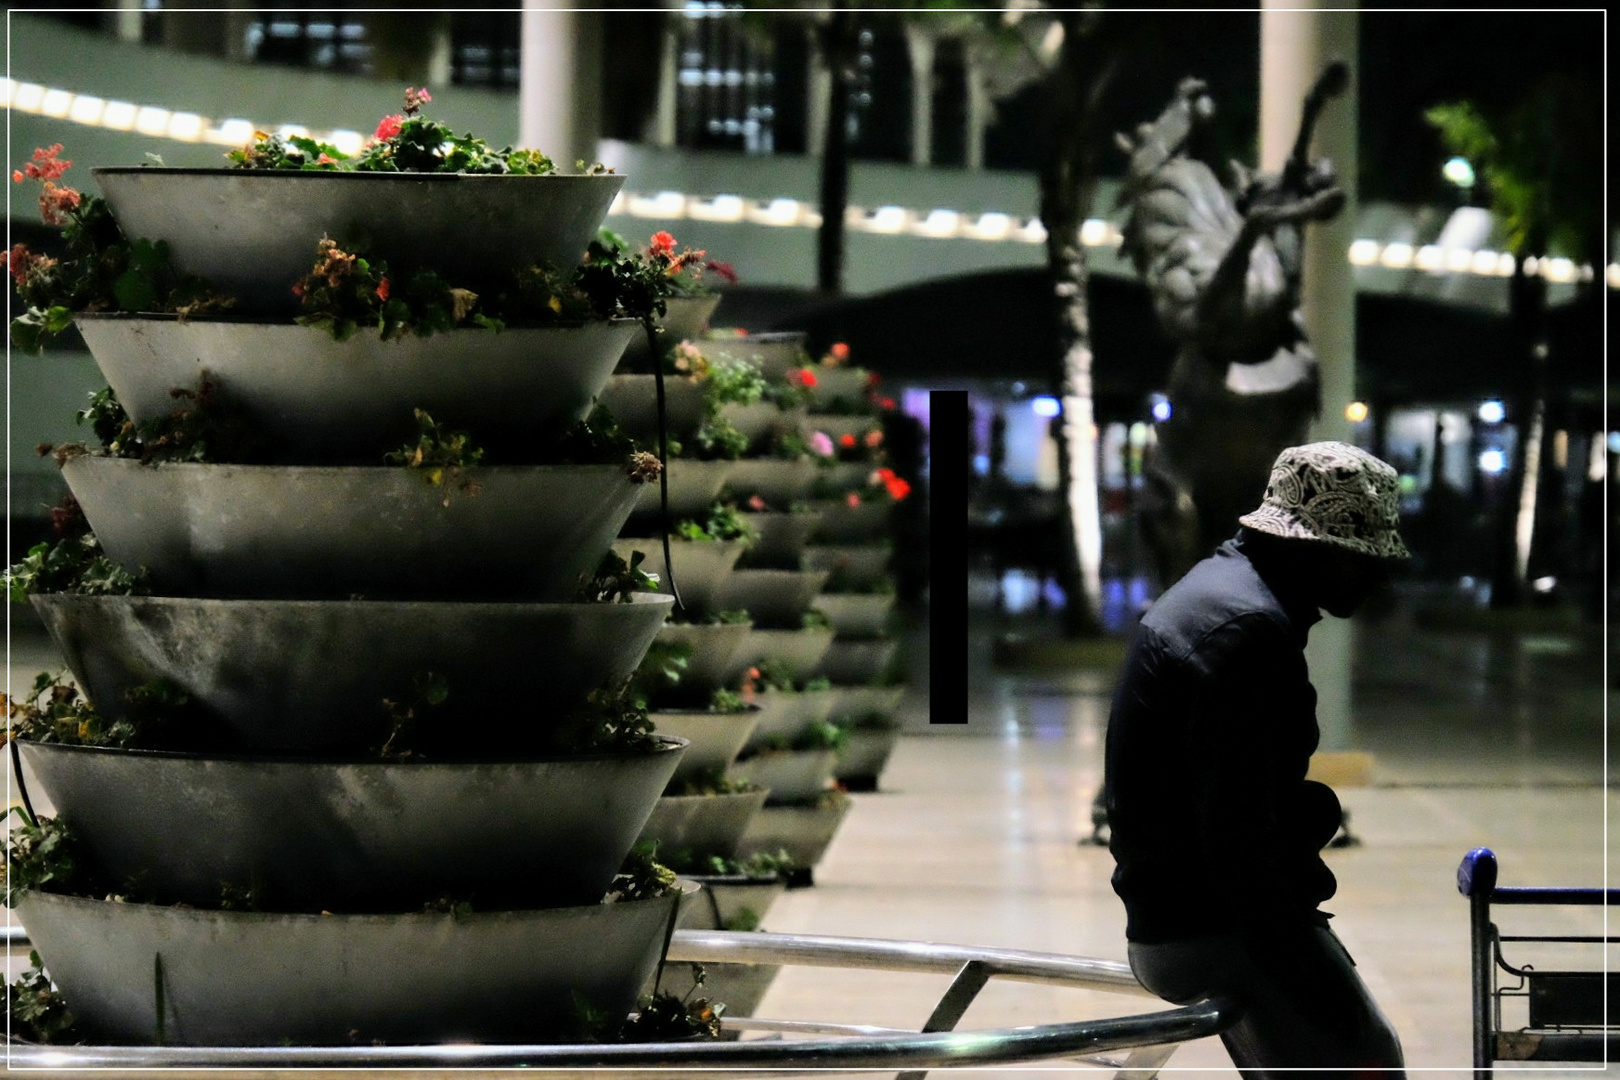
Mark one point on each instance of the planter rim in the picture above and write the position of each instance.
(349, 175)
(668, 744)
(404, 606)
(259, 321)
(324, 470)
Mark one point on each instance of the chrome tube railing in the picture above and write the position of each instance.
(839, 1047)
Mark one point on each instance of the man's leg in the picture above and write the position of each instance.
(1303, 1004)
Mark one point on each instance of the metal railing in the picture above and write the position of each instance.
(1150, 1037)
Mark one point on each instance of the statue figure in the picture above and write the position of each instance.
(1223, 268)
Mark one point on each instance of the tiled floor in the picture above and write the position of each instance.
(973, 837)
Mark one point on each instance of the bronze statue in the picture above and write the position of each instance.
(1223, 268)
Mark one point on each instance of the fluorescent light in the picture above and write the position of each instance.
(1430, 257)
(1558, 269)
(719, 208)
(1033, 232)
(56, 103)
(1459, 260)
(991, 226)
(118, 115)
(1045, 406)
(1491, 412)
(349, 142)
(665, 204)
(151, 120)
(186, 127)
(1094, 233)
(775, 212)
(1397, 256)
(888, 219)
(26, 97)
(940, 223)
(87, 109)
(7, 88)
(287, 131)
(1492, 461)
(1483, 262)
(1363, 252)
(236, 131)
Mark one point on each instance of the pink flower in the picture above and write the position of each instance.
(755, 502)
(388, 127)
(874, 439)
(821, 443)
(415, 99)
(852, 499)
(44, 166)
(326, 159)
(724, 270)
(56, 201)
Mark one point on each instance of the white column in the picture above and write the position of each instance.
(559, 94)
(1295, 47)
(669, 58)
(819, 86)
(921, 47)
(129, 21)
(978, 109)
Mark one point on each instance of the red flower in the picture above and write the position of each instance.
(755, 502)
(872, 380)
(840, 351)
(724, 270)
(55, 201)
(661, 244)
(44, 166)
(847, 441)
(382, 290)
(898, 488)
(886, 404)
(884, 475)
(388, 127)
(852, 499)
(802, 377)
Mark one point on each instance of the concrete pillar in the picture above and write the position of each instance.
(559, 92)
(920, 45)
(127, 22)
(978, 109)
(1295, 46)
(669, 62)
(820, 86)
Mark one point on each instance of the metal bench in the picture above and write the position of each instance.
(1573, 1015)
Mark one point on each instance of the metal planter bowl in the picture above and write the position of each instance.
(355, 836)
(323, 400)
(782, 537)
(865, 755)
(702, 825)
(799, 652)
(771, 597)
(701, 566)
(858, 661)
(854, 566)
(791, 776)
(786, 714)
(633, 401)
(236, 978)
(309, 676)
(713, 663)
(779, 483)
(311, 532)
(838, 384)
(773, 353)
(714, 738)
(804, 832)
(684, 318)
(856, 614)
(470, 229)
(857, 703)
(693, 488)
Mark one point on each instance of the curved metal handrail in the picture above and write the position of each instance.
(889, 1050)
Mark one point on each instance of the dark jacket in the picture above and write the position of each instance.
(1213, 826)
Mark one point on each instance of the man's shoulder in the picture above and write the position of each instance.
(1218, 604)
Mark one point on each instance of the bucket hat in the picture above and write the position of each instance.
(1333, 493)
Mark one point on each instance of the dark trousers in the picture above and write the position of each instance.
(1304, 1006)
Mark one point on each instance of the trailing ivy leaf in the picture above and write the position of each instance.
(135, 291)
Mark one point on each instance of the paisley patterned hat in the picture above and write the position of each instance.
(1334, 493)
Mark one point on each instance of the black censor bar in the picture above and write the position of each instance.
(948, 465)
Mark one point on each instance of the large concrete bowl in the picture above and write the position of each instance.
(772, 353)
(242, 978)
(785, 715)
(322, 400)
(684, 318)
(868, 521)
(799, 652)
(693, 488)
(804, 831)
(701, 567)
(633, 401)
(310, 676)
(773, 598)
(699, 826)
(858, 661)
(328, 532)
(791, 776)
(354, 835)
(857, 614)
(778, 482)
(782, 537)
(252, 233)
(712, 664)
(714, 738)
(854, 566)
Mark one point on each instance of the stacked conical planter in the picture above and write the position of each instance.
(297, 606)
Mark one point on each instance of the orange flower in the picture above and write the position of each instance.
(840, 351)
(662, 243)
(382, 290)
(44, 166)
(874, 439)
(55, 201)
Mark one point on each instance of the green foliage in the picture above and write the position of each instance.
(428, 692)
(820, 736)
(615, 580)
(70, 565)
(37, 1010)
(815, 620)
(663, 1017)
(596, 440)
(730, 617)
(41, 853)
(609, 721)
(723, 522)
(290, 152)
(204, 425)
(712, 782)
(733, 382)
(727, 701)
(661, 669)
(439, 454)
(718, 439)
(642, 876)
(760, 866)
(55, 712)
